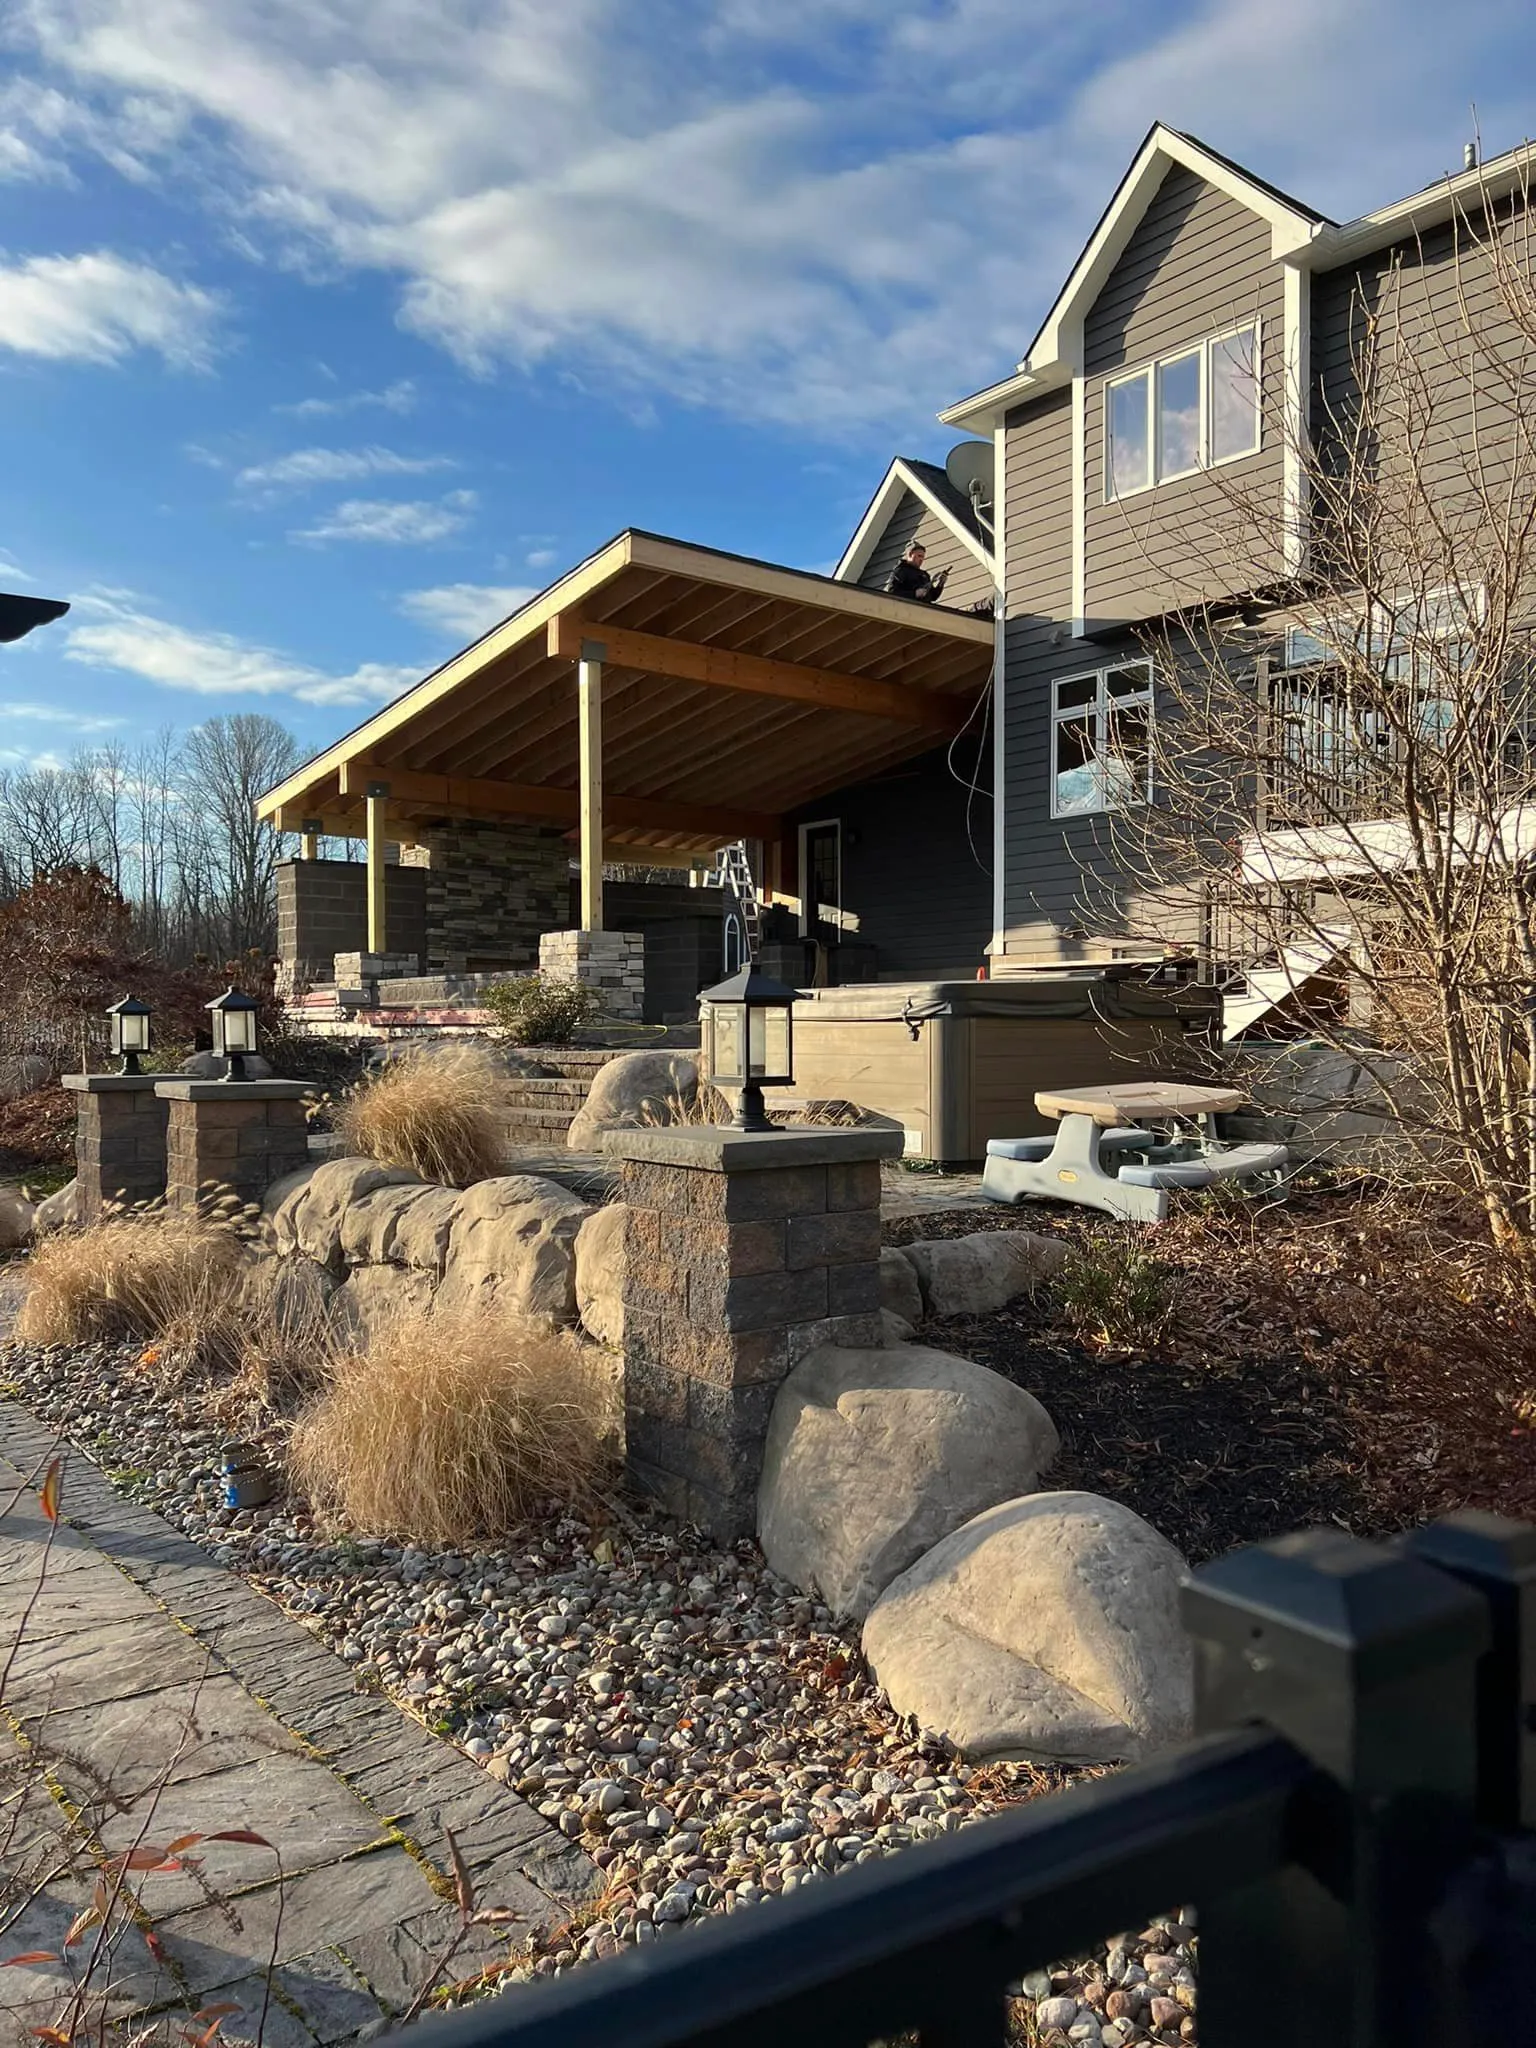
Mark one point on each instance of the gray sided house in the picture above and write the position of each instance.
(1149, 461)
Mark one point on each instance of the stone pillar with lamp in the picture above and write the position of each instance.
(232, 1134)
(120, 1123)
(746, 1247)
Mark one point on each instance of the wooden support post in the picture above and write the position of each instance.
(309, 839)
(589, 687)
(377, 805)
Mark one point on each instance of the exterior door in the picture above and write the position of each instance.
(821, 871)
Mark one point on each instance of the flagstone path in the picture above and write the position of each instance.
(168, 1698)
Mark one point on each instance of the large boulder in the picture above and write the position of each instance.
(22, 1073)
(900, 1292)
(513, 1243)
(371, 1227)
(17, 1217)
(423, 1229)
(600, 1273)
(310, 1216)
(58, 1210)
(971, 1276)
(1048, 1628)
(637, 1087)
(371, 1296)
(873, 1456)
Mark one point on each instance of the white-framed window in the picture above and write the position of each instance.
(1185, 412)
(1101, 740)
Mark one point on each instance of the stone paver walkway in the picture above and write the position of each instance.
(166, 1697)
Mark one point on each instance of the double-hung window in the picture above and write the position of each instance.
(1101, 740)
(1183, 413)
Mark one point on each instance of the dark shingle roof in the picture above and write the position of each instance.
(954, 502)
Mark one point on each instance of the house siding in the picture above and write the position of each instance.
(1198, 263)
(969, 582)
(916, 860)
(1047, 861)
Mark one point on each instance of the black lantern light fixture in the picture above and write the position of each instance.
(234, 1030)
(751, 1041)
(130, 1032)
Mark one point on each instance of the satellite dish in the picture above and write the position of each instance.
(971, 467)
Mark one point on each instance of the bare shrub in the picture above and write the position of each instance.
(1112, 1290)
(541, 1009)
(433, 1112)
(450, 1426)
(156, 1275)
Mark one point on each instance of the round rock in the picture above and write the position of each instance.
(1047, 1628)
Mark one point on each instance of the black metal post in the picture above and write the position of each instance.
(1366, 1660)
(750, 1115)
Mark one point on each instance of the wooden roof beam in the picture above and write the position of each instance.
(478, 796)
(723, 668)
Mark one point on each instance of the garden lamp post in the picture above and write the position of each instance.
(234, 1030)
(130, 1032)
(751, 1043)
(18, 615)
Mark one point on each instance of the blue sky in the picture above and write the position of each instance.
(330, 328)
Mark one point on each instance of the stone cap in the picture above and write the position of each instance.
(717, 1148)
(108, 1084)
(234, 1091)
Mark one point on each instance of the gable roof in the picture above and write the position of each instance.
(1299, 236)
(931, 487)
(1056, 350)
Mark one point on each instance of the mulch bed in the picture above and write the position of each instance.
(37, 1131)
(1335, 1359)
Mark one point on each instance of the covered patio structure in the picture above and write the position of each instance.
(659, 701)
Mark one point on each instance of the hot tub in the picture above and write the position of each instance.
(958, 1062)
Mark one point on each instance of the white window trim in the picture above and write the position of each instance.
(817, 825)
(1151, 372)
(1097, 711)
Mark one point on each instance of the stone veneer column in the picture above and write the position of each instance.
(119, 1141)
(743, 1252)
(611, 962)
(241, 1135)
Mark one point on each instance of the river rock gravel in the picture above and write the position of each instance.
(704, 1729)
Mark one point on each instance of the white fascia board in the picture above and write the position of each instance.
(1377, 846)
(898, 480)
(999, 698)
(1462, 192)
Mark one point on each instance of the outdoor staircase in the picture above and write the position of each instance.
(540, 1110)
(1267, 985)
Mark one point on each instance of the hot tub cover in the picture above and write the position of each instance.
(1111, 992)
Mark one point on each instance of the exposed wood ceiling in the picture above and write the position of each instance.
(833, 683)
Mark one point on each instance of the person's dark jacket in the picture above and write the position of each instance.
(907, 580)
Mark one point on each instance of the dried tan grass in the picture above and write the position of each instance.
(157, 1276)
(451, 1426)
(433, 1112)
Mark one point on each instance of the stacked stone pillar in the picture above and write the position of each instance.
(239, 1135)
(743, 1252)
(119, 1142)
(613, 963)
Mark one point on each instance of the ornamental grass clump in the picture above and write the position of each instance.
(155, 1275)
(1115, 1292)
(450, 1426)
(433, 1112)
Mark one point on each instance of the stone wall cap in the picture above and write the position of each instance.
(718, 1148)
(107, 1084)
(234, 1091)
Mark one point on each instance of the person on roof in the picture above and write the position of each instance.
(910, 579)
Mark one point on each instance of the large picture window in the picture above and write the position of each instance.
(1101, 740)
(1183, 413)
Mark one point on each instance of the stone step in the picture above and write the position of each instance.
(517, 1119)
(530, 1089)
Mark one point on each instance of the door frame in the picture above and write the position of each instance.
(817, 825)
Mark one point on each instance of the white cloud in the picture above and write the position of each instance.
(399, 397)
(825, 211)
(12, 570)
(97, 308)
(122, 637)
(393, 522)
(50, 714)
(541, 558)
(306, 466)
(465, 610)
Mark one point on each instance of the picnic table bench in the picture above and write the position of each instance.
(1122, 1146)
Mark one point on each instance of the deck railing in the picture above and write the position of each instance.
(1353, 1826)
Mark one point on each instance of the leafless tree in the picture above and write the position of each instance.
(1342, 761)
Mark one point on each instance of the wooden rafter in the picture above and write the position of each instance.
(723, 668)
(479, 796)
